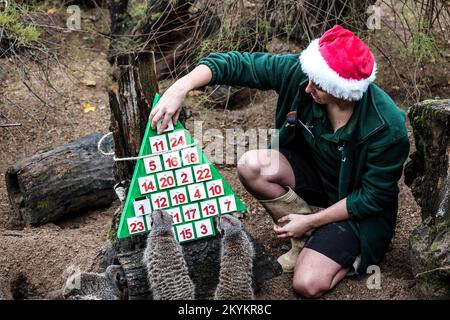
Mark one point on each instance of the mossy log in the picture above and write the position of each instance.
(428, 175)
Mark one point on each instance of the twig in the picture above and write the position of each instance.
(432, 270)
(6, 125)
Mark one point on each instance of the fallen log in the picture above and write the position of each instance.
(62, 180)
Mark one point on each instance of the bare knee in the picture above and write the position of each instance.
(310, 286)
(248, 166)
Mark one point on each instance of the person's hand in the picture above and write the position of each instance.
(168, 107)
(295, 226)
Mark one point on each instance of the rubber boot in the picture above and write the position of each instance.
(279, 207)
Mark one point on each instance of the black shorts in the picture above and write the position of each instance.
(336, 240)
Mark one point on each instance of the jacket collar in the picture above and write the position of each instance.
(366, 119)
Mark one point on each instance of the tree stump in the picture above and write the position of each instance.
(428, 175)
(56, 182)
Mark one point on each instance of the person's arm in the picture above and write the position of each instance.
(169, 106)
(297, 225)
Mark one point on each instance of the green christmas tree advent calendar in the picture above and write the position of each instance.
(175, 175)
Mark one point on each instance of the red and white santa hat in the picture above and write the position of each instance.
(340, 63)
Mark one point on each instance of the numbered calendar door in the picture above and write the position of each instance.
(190, 212)
(227, 204)
(184, 176)
(147, 184)
(214, 188)
(203, 228)
(175, 213)
(172, 160)
(197, 191)
(160, 200)
(177, 139)
(209, 208)
(190, 156)
(142, 207)
(165, 179)
(178, 196)
(202, 172)
(169, 126)
(158, 144)
(185, 232)
(136, 225)
(152, 164)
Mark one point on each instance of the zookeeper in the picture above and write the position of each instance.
(342, 146)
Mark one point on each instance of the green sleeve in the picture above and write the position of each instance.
(258, 70)
(380, 181)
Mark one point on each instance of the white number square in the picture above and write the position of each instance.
(158, 143)
(178, 196)
(203, 228)
(196, 191)
(190, 156)
(175, 213)
(169, 126)
(147, 184)
(209, 208)
(185, 232)
(165, 179)
(152, 164)
(142, 207)
(172, 160)
(136, 225)
(190, 212)
(227, 204)
(177, 139)
(160, 200)
(184, 176)
(214, 188)
(202, 172)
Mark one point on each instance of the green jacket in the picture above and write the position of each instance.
(372, 159)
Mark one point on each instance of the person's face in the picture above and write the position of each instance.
(318, 94)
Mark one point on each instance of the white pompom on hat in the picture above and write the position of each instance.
(340, 63)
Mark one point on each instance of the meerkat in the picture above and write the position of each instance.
(236, 261)
(163, 257)
(95, 286)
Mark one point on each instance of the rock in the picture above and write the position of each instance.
(428, 175)
(57, 181)
(203, 260)
(227, 97)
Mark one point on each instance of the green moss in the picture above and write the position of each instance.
(42, 204)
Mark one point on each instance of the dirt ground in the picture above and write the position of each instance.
(35, 261)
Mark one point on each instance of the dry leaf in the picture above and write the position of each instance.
(89, 82)
(52, 10)
(114, 88)
(88, 107)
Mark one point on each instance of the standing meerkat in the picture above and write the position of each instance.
(168, 274)
(236, 262)
(95, 286)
